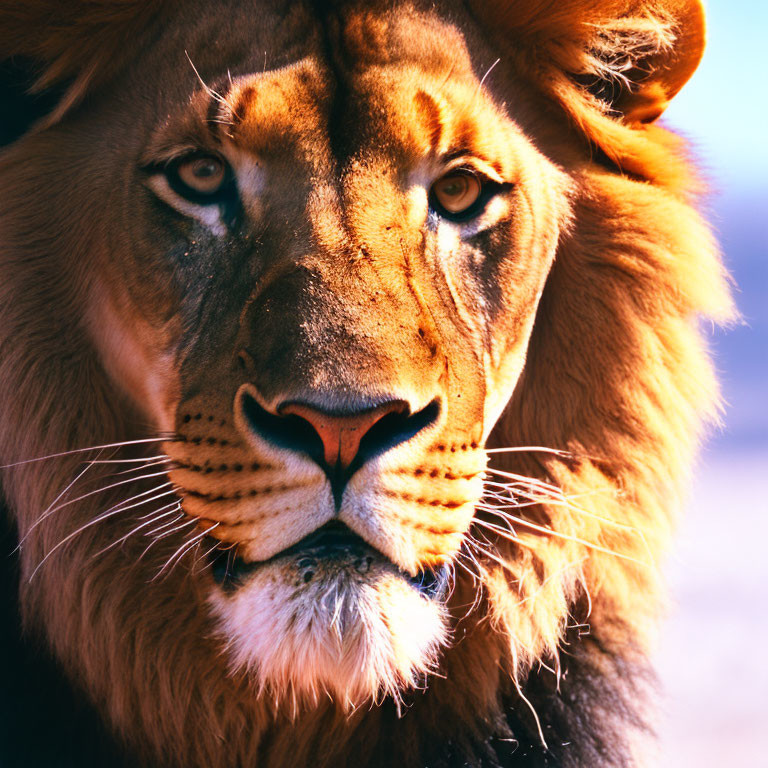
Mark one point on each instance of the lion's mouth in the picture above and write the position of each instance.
(332, 545)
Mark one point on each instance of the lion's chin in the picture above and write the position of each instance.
(353, 632)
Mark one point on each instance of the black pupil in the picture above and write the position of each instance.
(206, 168)
(455, 187)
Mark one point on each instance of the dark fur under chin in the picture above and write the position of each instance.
(45, 721)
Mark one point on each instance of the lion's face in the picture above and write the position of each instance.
(275, 281)
(333, 271)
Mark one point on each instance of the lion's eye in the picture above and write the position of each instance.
(456, 193)
(200, 178)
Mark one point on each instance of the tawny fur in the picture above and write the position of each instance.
(544, 638)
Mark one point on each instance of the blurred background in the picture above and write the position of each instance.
(711, 659)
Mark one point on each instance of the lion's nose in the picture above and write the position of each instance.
(340, 440)
(341, 434)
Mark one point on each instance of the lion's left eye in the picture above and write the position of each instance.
(457, 194)
(199, 178)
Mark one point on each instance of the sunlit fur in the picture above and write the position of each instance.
(561, 336)
(358, 641)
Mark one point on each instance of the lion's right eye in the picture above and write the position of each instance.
(202, 179)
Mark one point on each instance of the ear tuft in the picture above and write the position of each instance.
(659, 74)
(632, 55)
(612, 66)
(618, 60)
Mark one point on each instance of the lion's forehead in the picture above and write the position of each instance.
(330, 87)
(348, 36)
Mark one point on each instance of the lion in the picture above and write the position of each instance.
(351, 373)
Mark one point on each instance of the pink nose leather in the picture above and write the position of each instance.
(341, 435)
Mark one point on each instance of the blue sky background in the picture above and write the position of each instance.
(711, 661)
(723, 111)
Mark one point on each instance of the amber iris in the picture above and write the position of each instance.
(456, 192)
(205, 174)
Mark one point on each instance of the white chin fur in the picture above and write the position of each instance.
(350, 636)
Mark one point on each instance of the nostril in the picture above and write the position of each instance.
(393, 429)
(291, 432)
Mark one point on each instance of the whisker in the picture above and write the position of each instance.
(107, 488)
(90, 448)
(521, 504)
(472, 559)
(488, 72)
(207, 88)
(178, 555)
(157, 530)
(526, 480)
(533, 526)
(536, 719)
(459, 561)
(476, 577)
(142, 467)
(98, 519)
(204, 556)
(510, 493)
(124, 505)
(154, 541)
(519, 487)
(487, 553)
(559, 499)
(477, 580)
(231, 557)
(466, 569)
(48, 509)
(130, 461)
(566, 500)
(532, 449)
(136, 469)
(509, 503)
(172, 508)
(478, 88)
(166, 493)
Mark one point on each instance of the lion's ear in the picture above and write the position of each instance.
(71, 45)
(655, 75)
(612, 66)
(632, 56)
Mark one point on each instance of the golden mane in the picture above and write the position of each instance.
(552, 612)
